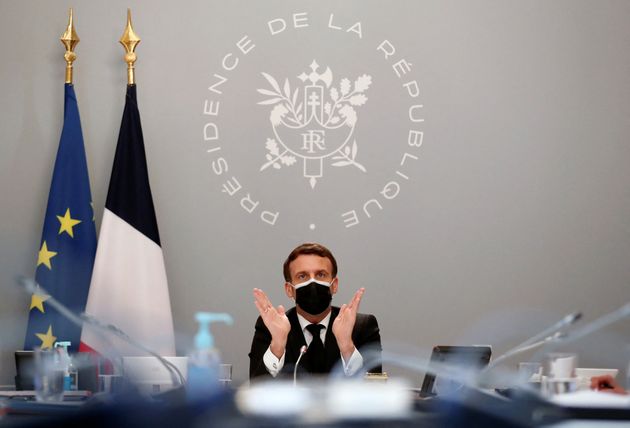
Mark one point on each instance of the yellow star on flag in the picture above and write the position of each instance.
(37, 301)
(67, 223)
(44, 256)
(48, 340)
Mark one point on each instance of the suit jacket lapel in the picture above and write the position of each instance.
(332, 349)
(295, 340)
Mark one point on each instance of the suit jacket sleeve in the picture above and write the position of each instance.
(260, 344)
(367, 338)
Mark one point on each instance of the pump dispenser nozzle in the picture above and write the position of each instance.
(204, 338)
(64, 345)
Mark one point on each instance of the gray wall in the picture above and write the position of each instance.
(516, 211)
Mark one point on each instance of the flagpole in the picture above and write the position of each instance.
(70, 40)
(70, 241)
(130, 40)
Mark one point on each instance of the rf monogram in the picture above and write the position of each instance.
(312, 139)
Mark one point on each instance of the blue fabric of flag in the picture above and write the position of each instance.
(66, 252)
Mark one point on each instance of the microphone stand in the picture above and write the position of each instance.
(303, 350)
(176, 376)
(30, 286)
(592, 327)
(551, 333)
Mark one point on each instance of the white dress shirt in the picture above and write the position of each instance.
(274, 365)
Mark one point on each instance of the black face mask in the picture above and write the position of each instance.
(313, 297)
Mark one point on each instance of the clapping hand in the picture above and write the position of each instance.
(344, 324)
(275, 320)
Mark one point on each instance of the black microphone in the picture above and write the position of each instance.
(303, 350)
(34, 288)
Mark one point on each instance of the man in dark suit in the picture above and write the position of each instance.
(330, 333)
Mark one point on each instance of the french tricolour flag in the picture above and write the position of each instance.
(129, 288)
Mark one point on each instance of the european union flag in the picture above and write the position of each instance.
(66, 252)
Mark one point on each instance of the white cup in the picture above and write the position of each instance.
(561, 366)
(559, 374)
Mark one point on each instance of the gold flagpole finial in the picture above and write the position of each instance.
(130, 40)
(70, 40)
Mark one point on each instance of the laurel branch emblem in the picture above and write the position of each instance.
(318, 126)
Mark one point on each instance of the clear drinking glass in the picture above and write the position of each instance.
(225, 375)
(529, 372)
(109, 384)
(49, 372)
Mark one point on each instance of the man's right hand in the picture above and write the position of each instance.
(275, 320)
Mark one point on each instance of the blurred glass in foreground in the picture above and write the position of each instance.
(49, 374)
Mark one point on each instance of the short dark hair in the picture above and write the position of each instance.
(308, 248)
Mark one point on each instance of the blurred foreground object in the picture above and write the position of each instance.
(322, 401)
(607, 383)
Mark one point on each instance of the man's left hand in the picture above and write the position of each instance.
(344, 324)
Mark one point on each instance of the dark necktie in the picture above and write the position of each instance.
(316, 354)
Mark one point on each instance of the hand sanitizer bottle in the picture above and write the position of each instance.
(204, 361)
(70, 375)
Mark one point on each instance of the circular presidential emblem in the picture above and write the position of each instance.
(310, 116)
